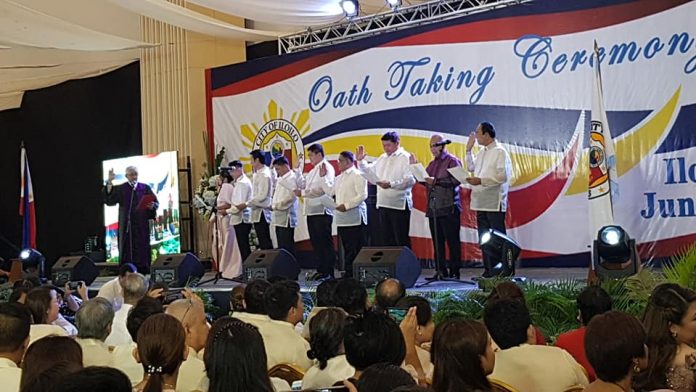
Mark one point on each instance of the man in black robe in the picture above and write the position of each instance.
(137, 204)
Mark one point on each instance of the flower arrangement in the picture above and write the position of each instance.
(207, 189)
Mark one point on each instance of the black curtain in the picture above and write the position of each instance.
(68, 130)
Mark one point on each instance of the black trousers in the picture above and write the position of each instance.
(447, 232)
(286, 239)
(263, 233)
(319, 227)
(490, 220)
(352, 239)
(395, 225)
(241, 231)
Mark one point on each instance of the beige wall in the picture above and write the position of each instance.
(173, 92)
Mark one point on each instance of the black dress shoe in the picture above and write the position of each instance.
(455, 275)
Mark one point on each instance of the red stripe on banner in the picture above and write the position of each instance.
(665, 248)
(209, 114)
(279, 74)
(544, 24)
(32, 226)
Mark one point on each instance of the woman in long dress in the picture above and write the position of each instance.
(225, 247)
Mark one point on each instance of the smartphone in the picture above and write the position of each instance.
(397, 314)
(74, 285)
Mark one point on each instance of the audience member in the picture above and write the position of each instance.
(191, 313)
(237, 298)
(94, 320)
(326, 331)
(510, 290)
(42, 367)
(373, 338)
(95, 379)
(615, 346)
(387, 293)
(15, 322)
(382, 377)
(462, 354)
(592, 301)
(670, 324)
(134, 288)
(519, 362)
(161, 351)
(254, 305)
(43, 304)
(19, 294)
(424, 329)
(324, 294)
(235, 358)
(351, 296)
(113, 289)
(285, 308)
(122, 355)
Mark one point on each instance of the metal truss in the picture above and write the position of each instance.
(365, 26)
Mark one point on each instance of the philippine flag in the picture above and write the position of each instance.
(26, 204)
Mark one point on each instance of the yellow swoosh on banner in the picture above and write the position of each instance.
(631, 147)
(526, 166)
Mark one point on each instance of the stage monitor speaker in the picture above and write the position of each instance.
(265, 264)
(73, 269)
(374, 264)
(177, 270)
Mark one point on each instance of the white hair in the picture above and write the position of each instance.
(131, 169)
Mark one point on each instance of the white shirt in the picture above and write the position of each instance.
(112, 291)
(10, 375)
(66, 325)
(536, 368)
(38, 331)
(395, 169)
(242, 191)
(312, 188)
(285, 202)
(119, 333)
(494, 167)
(350, 189)
(337, 369)
(261, 194)
(95, 352)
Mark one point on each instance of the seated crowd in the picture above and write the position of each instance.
(128, 339)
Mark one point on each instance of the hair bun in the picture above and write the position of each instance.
(311, 354)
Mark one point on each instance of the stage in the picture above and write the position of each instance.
(220, 291)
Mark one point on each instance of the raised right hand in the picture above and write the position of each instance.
(472, 140)
(112, 175)
(360, 153)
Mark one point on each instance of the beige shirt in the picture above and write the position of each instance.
(252, 318)
(312, 190)
(337, 369)
(119, 333)
(350, 189)
(284, 345)
(261, 195)
(494, 167)
(536, 368)
(95, 352)
(10, 375)
(395, 169)
(38, 331)
(285, 202)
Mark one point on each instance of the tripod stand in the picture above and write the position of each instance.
(218, 274)
(438, 268)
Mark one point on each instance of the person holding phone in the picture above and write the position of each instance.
(137, 204)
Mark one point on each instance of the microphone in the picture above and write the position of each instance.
(442, 143)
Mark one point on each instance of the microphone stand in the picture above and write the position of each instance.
(438, 274)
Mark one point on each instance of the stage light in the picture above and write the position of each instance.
(502, 250)
(394, 4)
(614, 253)
(350, 7)
(32, 261)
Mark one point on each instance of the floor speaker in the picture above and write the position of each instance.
(374, 264)
(264, 264)
(73, 269)
(177, 270)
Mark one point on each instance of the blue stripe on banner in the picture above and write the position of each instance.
(222, 76)
(521, 126)
(681, 136)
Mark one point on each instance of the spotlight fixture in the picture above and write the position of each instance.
(32, 261)
(394, 4)
(502, 250)
(614, 253)
(350, 7)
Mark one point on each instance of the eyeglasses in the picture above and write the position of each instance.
(190, 305)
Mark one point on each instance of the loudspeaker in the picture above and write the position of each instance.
(73, 269)
(264, 264)
(177, 270)
(374, 264)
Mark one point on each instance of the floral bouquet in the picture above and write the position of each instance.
(208, 187)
